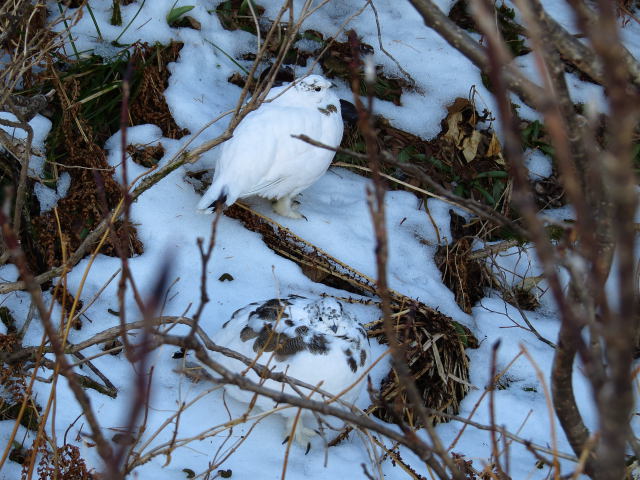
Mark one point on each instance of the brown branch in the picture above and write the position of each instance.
(383, 50)
(571, 48)
(495, 451)
(585, 191)
(615, 401)
(522, 194)
(568, 132)
(565, 406)
(591, 21)
(141, 380)
(564, 401)
(205, 256)
(83, 380)
(434, 18)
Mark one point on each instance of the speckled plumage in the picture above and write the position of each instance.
(313, 340)
(264, 159)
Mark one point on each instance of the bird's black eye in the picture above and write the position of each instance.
(317, 89)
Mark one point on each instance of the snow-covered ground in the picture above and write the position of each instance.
(338, 222)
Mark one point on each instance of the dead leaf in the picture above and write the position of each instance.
(454, 134)
(194, 23)
(470, 145)
(529, 283)
(458, 105)
(495, 150)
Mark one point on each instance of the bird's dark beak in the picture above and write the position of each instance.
(333, 85)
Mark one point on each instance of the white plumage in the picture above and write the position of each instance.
(311, 340)
(262, 158)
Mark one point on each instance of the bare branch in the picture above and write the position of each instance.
(529, 92)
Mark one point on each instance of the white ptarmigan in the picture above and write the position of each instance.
(312, 340)
(262, 158)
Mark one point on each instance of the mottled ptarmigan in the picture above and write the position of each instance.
(312, 340)
(262, 158)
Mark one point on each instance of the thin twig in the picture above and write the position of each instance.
(103, 447)
(442, 193)
(375, 198)
(379, 30)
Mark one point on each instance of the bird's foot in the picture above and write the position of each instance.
(284, 207)
(302, 435)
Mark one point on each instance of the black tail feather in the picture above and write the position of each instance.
(218, 204)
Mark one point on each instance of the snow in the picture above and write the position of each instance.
(147, 135)
(338, 222)
(48, 197)
(538, 164)
(41, 127)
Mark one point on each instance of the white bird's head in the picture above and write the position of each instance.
(315, 86)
